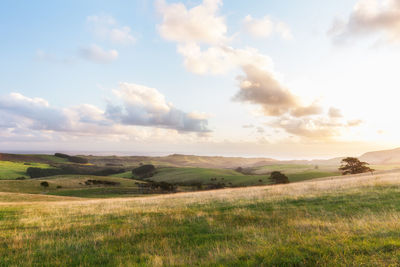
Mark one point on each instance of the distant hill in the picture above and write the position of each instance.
(382, 157)
(178, 160)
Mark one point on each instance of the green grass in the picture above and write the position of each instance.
(203, 175)
(193, 175)
(72, 185)
(49, 158)
(348, 222)
(295, 168)
(308, 175)
(127, 174)
(12, 170)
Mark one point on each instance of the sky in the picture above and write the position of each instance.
(281, 79)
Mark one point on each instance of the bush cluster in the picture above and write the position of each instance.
(99, 182)
(144, 171)
(73, 159)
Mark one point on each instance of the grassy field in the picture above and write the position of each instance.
(352, 221)
(12, 170)
(72, 185)
(295, 173)
(203, 175)
(295, 168)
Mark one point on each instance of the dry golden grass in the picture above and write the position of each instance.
(348, 221)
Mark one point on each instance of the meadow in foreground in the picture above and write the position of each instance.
(339, 222)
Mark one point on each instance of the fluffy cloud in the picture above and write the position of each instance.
(320, 128)
(34, 112)
(220, 59)
(201, 39)
(33, 118)
(261, 87)
(265, 27)
(370, 17)
(97, 54)
(147, 107)
(199, 24)
(313, 109)
(106, 28)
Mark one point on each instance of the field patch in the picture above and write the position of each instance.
(73, 185)
(12, 170)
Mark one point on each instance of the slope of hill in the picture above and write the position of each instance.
(351, 221)
(382, 157)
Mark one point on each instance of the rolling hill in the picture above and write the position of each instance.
(382, 157)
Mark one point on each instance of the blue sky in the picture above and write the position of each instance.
(134, 66)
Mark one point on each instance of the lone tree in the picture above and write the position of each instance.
(44, 184)
(353, 166)
(278, 178)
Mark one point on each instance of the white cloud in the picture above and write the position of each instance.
(265, 27)
(146, 106)
(200, 34)
(370, 17)
(35, 112)
(260, 87)
(106, 28)
(320, 128)
(25, 118)
(220, 59)
(200, 24)
(97, 54)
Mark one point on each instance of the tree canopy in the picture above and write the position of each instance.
(354, 166)
(278, 178)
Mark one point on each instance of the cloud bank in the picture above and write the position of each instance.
(370, 17)
(34, 118)
(201, 37)
(145, 106)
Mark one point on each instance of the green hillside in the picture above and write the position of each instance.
(12, 170)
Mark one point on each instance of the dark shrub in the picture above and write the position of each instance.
(79, 160)
(215, 186)
(61, 155)
(99, 182)
(20, 178)
(144, 171)
(27, 163)
(163, 186)
(73, 159)
(59, 186)
(44, 184)
(278, 178)
(109, 171)
(34, 172)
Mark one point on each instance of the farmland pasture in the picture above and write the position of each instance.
(352, 221)
(72, 185)
(12, 170)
